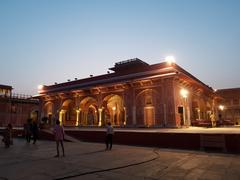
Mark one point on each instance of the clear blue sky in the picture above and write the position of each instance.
(47, 41)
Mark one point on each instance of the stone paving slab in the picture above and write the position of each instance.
(83, 160)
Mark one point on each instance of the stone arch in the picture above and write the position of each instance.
(88, 111)
(146, 108)
(47, 108)
(113, 110)
(34, 114)
(202, 108)
(68, 113)
(47, 115)
(208, 111)
(195, 109)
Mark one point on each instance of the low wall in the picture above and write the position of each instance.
(229, 143)
(191, 141)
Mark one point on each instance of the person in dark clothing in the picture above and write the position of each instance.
(109, 135)
(28, 129)
(34, 131)
(7, 136)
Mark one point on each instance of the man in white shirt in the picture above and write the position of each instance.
(109, 136)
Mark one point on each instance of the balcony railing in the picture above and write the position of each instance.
(20, 96)
(15, 96)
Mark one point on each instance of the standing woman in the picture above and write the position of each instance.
(59, 137)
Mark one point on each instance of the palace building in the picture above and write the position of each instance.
(230, 104)
(16, 108)
(133, 94)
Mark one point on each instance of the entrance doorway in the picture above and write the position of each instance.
(149, 116)
(182, 115)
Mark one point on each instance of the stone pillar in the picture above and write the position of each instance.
(77, 121)
(100, 117)
(134, 121)
(60, 116)
(128, 104)
(134, 115)
(199, 113)
(125, 117)
(61, 119)
(188, 116)
(164, 115)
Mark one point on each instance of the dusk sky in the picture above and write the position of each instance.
(47, 41)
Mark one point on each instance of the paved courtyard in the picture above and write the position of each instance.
(83, 160)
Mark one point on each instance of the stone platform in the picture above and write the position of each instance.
(90, 161)
(221, 139)
(224, 139)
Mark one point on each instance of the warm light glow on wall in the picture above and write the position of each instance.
(114, 108)
(184, 93)
(170, 60)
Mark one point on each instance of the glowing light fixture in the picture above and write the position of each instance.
(40, 87)
(221, 107)
(114, 108)
(170, 60)
(184, 93)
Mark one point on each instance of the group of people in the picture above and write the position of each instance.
(31, 130)
(59, 137)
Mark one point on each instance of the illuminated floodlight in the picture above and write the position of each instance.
(221, 107)
(170, 60)
(184, 93)
(40, 87)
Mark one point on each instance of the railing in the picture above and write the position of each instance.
(126, 61)
(18, 97)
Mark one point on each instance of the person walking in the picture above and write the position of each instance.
(59, 137)
(7, 136)
(28, 130)
(109, 136)
(34, 131)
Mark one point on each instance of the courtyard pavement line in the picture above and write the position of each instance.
(114, 168)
